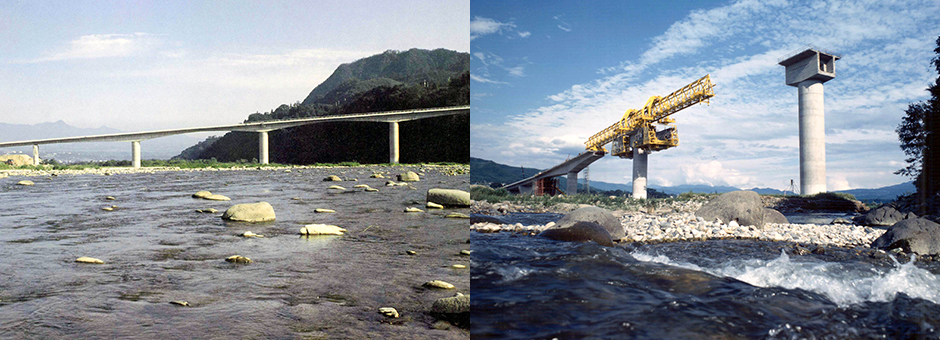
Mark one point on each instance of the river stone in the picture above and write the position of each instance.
(324, 211)
(774, 216)
(360, 186)
(25, 182)
(108, 209)
(372, 190)
(580, 232)
(454, 309)
(465, 252)
(594, 215)
(208, 210)
(409, 176)
(217, 197)
(883, 216)
(250, 212)
(86, 259)
(388, 311)
(332, 178)
(336, 187)
(459, 266)
(321, 229)
(390, 183)
(377, 176)
(250, 234)
(449, 197)
(432, 205)
(438, 284)
(180, 303)
(238, 259)
(915, 235)
(412, 209)
(110, 198)
(16, 160)
(744, 206)
(202, 194)
(456, 215)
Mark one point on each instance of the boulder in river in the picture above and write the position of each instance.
(321, 229)
(774, 216)
(579, 232)
(432, 205)
(25, 182)
(595, 215)
(323, 211)
(449, 197)
(744, 207)
(336, 187)
(332, 178)
(238, 259)
(86, 259)
(250, 212)
(409, 176)
(438, 284)
(389, 312)
(217, 197)
(454, 309)
(883, 216)
(202, 194)
(914, 235)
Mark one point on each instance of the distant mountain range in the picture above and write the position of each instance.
(486, 172)
(159, 148)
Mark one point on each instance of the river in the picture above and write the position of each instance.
(157, 249)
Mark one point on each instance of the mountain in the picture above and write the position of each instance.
(412, 79)
(159, 148)
(391, 68)
(486, 172)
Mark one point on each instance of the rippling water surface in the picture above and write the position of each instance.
(532, 288)
(157, 249)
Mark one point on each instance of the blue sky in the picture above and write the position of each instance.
(545, 77)
(141, 65)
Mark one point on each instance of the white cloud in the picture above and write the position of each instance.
(101, 46)
(524, 34)
(481, 26)
(517, 71)
(481, 79)
(565, 28)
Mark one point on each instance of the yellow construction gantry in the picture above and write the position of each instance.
(636, 130)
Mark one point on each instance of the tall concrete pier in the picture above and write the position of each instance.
(807, 70)
(639, 173)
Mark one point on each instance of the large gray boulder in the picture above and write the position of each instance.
(579, 232)
(916, 235)
(774, 216)
(595, 215)
(454, 309)
(449, 197)
(883, 216)
(743, 207)
(409, 176)
(250, 212)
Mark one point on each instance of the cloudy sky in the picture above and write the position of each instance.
(544, 78)
(141, 65)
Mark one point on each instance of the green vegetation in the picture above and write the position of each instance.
(919, 134)
(483, 193)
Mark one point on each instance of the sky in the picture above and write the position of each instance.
(544, 78)
(145, 65)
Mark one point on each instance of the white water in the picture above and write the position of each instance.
(842, 284)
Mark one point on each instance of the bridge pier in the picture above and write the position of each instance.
(639, 173)
(393, 142)
(35, 154)
(135, 152)
(572, 183)
(263, 147)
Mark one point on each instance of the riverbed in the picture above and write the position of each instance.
(158, 249)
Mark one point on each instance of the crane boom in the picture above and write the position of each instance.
(656, 110)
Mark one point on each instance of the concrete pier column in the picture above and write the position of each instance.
(35, 154)
(812, 137)
(393, 142)
(572, 183)
(263, 147)
(639, 173)
(135, 152)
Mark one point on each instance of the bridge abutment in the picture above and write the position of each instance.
(135, 153)
(393, 142)
(263, 147)
(639, 173)
(35, 154)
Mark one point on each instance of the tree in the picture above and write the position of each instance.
(919, 133)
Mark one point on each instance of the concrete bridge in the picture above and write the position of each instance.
(390, 117)
(570, 167)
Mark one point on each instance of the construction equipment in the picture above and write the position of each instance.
(637, 128)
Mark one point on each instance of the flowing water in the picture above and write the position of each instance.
(527, 287)
(157, 249)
